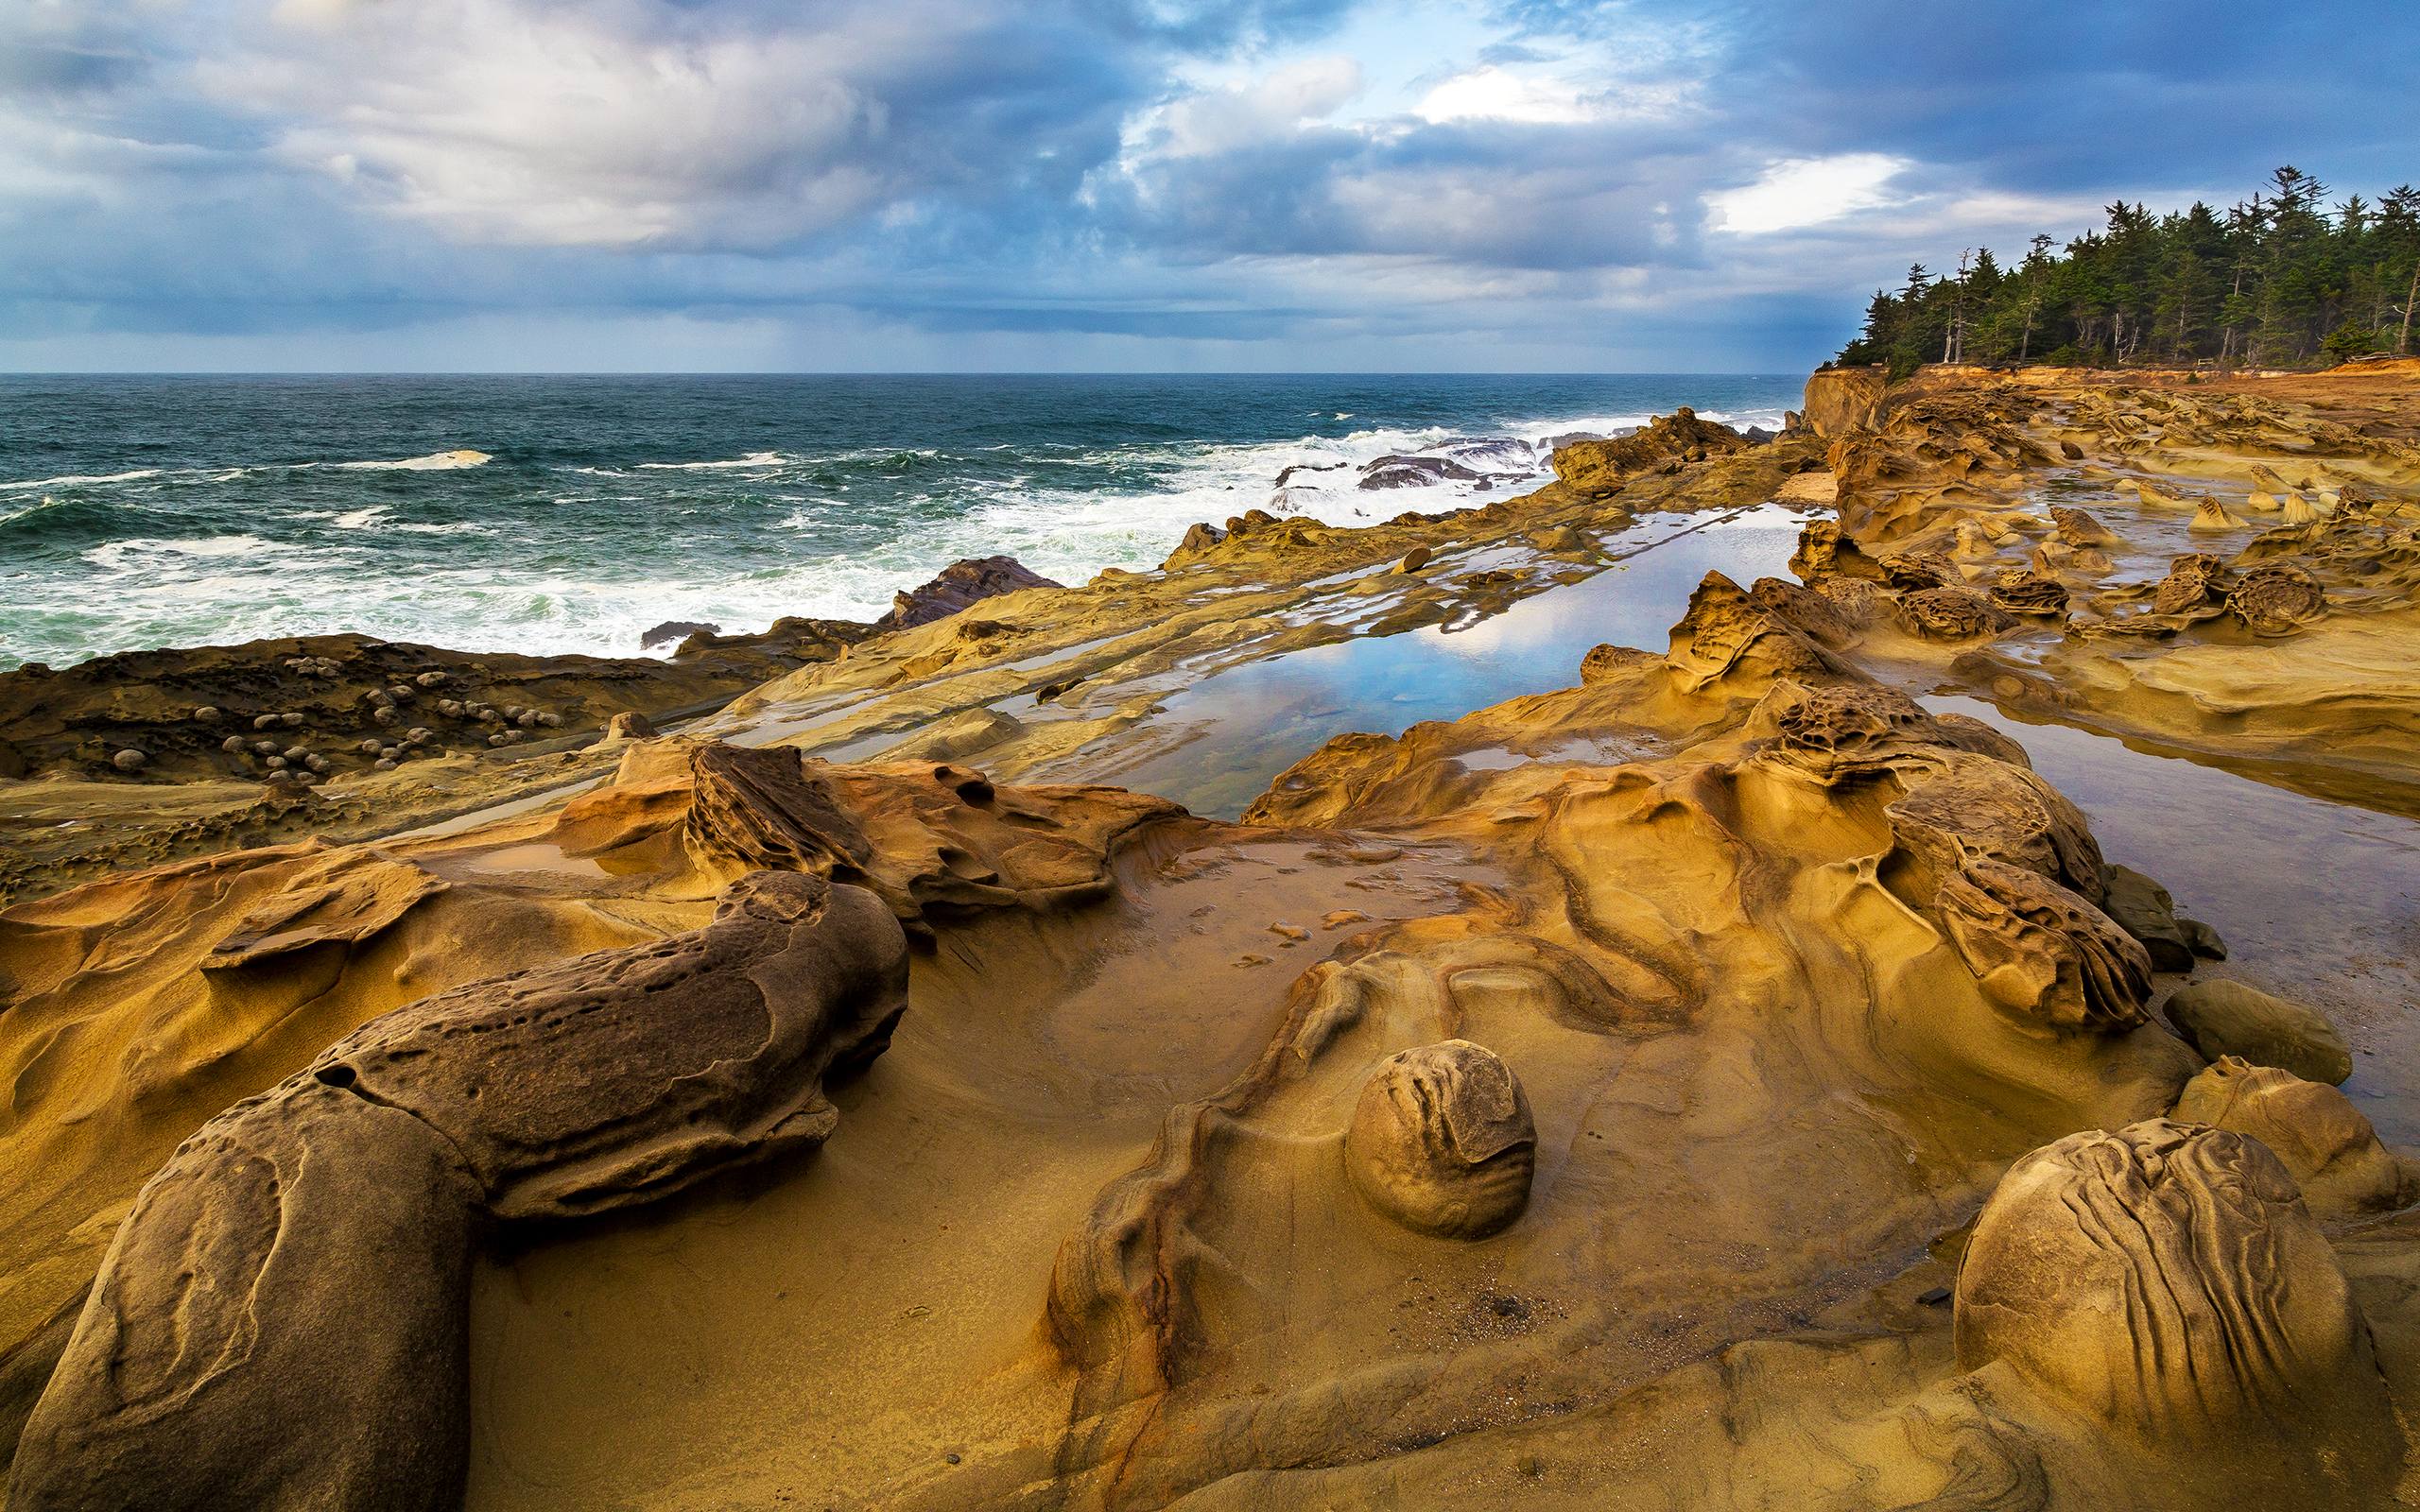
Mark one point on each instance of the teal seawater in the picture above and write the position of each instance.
(176, 510)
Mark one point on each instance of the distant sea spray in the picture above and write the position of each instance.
(570, 514)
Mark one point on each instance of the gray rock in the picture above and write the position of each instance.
(128, 759)
(673, 631)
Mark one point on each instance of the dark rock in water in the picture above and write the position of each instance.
(1306, 467)
(2144, 909)
(1489, 451)
(1416, 471)
(1556, 443)
(306, 1257)
(960, 583)
(671, 630)
(1757, 435)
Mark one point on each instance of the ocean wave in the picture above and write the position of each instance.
(44, 503)
(753, 459)
(358, 519)
(76, 480)
(433, 462)
(114, 554)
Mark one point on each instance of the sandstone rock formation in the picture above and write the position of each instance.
(305, 1257)
(1442, 1143)
(2165, 1283)
(2226, 1018)
(2314, 1130)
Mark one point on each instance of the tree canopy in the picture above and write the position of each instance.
(2282, 279)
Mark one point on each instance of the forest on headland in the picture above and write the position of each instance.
(2281, 280)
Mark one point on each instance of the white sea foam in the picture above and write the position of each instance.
(753, 459)
(358, 519)
(79, 480)
(433, 462)
(117, 554)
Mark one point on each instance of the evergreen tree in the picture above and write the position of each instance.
(2280, 279)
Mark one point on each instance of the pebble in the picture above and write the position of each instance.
(233, 743)
(277, 764)
(384, 714)
(419, 734)
(552, 721)
(382, 763)
(431, 680)
(317, 764)
(207, 715)
(128, 759)
(295, 753)
(390, 753)
(290, 721)
(399, 692)
(381, 697)
(367, 748)
(264, 748)
(450, 708)
(264, 721)
(526, 718)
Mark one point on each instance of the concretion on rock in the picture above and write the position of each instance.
(2166, 1281)
(305, 1257)
(2020, 591)
(1442, 1142)
(1950, 613)
(2221, 1017)
(2192, 581)
(2314, 1130)
(2277, 598)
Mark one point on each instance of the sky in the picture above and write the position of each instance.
(1091, 185)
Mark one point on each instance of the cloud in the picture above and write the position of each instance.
(1799, 192)
(1283, 182)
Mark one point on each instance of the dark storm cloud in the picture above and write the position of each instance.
(1620, 184)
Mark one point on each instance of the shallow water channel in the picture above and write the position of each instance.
(2317, 901)
(1229, 735)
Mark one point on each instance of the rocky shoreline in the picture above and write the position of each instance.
(1739, 1078)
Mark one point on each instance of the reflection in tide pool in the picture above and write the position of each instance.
(2318, 901)
(1228, 736)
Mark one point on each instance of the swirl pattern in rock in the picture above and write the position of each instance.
(306, 1257)
(2164, 1279)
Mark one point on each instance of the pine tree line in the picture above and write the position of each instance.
(2278, 281)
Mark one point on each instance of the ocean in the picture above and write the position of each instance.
(563, 514)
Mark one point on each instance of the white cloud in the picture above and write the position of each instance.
(1798, 192)
(1493, 94)
(1270, 108)
(506, 121)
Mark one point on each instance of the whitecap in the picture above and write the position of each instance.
(79, 480)
(117, 553)
(433, 462)
(358, 519)
(751, 460)
(14, 515)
